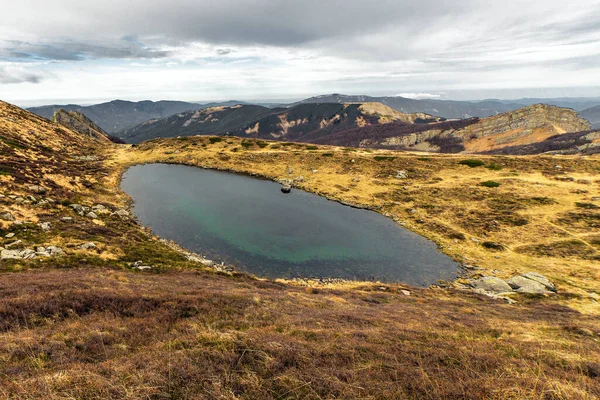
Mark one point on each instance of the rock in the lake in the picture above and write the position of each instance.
(286, 188)
(7, 216)
(534, 276)
(37, 189)
(491, 284)
(525, 285)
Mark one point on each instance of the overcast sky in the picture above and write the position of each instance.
(89, 51)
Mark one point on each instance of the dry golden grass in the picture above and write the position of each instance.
(441, 199)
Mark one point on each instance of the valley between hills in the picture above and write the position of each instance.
(81, 319)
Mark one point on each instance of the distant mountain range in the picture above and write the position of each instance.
(139, 121)
(374, 125)
(302, 122)
(592, 115)
(117, 115)
(442, 108)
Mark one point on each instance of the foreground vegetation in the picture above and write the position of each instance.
(88, 325)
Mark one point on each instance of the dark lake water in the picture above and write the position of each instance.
(249, 223)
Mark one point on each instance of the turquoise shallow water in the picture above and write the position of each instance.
(249, 223)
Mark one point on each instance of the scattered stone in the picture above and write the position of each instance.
(491, 284)
(144, 267)
(32, 198)
(405, 292)
(286, 188)
(49, 200)
(136, 264)
(99, 207)
(299, 179)
(595, 198)
(55, 251)
(41, 249)
(470, 267)
(37, 189)
(9, 235)
(534, 276)
(92, 215)
(14, 244)
(77, 207)
(10, 254)
(27, 254)
(314, 171)
(207, 263)
(1, 196)
(122, 213)
(19, 200)
(87, 246)
(12, 196)
(594, 296)
(524, 285)
(401, 174)
(289, 170)
(46, 226)
(67, 219)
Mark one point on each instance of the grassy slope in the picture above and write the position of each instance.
(86, 326)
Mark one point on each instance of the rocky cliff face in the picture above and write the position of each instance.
(527, 125)
(78, 122)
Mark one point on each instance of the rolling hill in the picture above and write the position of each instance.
(442, 108)
(118, 115)
(525, 126)
(592, 115)
(302, 122)
(78, 122)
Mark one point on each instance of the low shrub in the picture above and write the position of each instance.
(494, 167)
(587, 206)
(472, 163)
(214, 140)
(490, 184)
(384, 158)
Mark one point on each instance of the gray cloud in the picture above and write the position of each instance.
(74, 50)
(12, 75)
(417, 47)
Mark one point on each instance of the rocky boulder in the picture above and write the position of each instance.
(7, 216)
(491, 284)
(534, 276)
